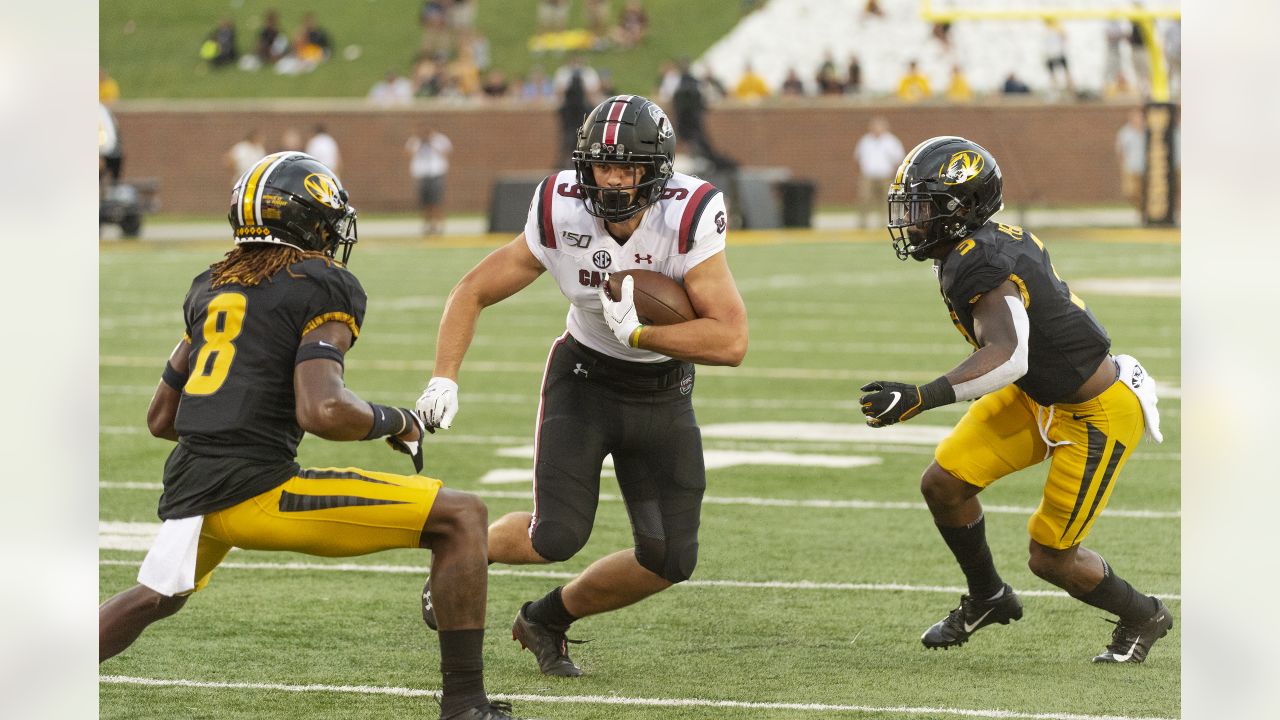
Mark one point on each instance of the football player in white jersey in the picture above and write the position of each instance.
(612, 386)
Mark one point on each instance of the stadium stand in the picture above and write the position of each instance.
(799, 33)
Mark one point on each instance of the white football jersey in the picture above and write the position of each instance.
(687, 225)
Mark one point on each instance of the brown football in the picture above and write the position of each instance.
(659, 299)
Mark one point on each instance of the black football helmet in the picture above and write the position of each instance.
(624, 129)
(945, 189)
(290, 198)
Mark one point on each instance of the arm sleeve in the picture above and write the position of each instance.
(338, 297)
(709, 236)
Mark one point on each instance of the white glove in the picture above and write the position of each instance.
(621, 315)
(438, 403)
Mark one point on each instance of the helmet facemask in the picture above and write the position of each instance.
(617, 204)
(920, 220)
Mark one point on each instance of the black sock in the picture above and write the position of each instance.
(462, 667)
(1115, 595)
(969, 545)
(549, 610)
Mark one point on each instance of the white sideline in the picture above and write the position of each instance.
(563, 575)
(759, 502)
(614, 700)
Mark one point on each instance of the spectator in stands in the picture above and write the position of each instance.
(478, 45)
(272, 42)
(495, 84)
(429, 152)
(552, 16)
(245, 154)
(827, 79)
(853, 81)
(878, 153)
(1013, 85)
(324, 148)
(599, 17)
(1055, 56)
(958, 89)
(633, 24)
(792, 85)
(913, 86)
(462, 15)
(312, 43)
(942, 33)
(429, 77)
(220, 49)
(872, 9)
(536, 85)
(108, 88)
(392, 89)
(1131, 151)
(437, 39)
(464, 72)
(578, 87)
(750, 86)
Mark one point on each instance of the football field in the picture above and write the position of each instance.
(819, 565)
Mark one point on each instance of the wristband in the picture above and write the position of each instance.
(937, 393)
(173, 377)
(387, 421)
(318, 351)
(634, 339)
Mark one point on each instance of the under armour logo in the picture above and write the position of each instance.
(644, 258)
(579, 370)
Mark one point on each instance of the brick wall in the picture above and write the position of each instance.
(1050, 154)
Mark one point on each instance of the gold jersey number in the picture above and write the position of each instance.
(223, 321)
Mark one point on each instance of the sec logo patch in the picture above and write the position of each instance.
(602, 259)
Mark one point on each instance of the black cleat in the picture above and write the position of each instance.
(428, 611)
(1130, 643)
(548, 645)
(971, 616)
(492, 710)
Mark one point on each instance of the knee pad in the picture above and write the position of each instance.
(672, 561)
(557, 541)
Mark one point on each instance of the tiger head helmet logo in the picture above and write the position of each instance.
(324, 189)
(961, 168)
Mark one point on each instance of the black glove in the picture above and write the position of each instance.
(886, 403)
(414, 448)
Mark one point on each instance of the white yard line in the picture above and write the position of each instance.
(613, 700)
(565, 575)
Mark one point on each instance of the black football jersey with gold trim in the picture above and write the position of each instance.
(239, 399)
(238, 403)
(1067, 342)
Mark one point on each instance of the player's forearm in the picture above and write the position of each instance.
(457, 329)
(705, 341)
(987, 370)
(341, 416)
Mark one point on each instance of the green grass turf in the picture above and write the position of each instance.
(825, 317)
(152, 49)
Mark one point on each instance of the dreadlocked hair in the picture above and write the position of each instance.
(250, 264)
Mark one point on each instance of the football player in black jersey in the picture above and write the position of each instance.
(1045, 386)
(267, 329)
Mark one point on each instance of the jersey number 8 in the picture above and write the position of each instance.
(224, 318)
